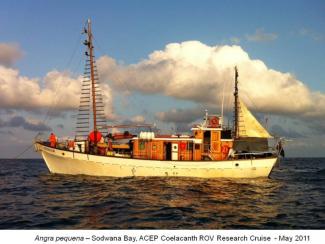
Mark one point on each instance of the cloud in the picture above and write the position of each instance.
(61, 126)
(280, 131)
(306, 147)
(197, 72)
(27, 124)
(184, 119)
(311, 34)
(8, 132)
(317, 127)
(138, 119)
(9, 54)
(182, 116)
(57, 91)
(261, 36)
(21, 92)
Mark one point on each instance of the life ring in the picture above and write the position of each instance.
(70, 144)
(214, 122)
(95, 136)
(183, 146)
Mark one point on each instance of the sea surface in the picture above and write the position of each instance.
(32, 198)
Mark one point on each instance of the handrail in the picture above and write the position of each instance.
(254, 153)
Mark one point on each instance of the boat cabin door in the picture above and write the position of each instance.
(174, 151)
(168, 151)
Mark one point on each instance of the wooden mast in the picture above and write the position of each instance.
(92, 76)
(236, 107)
(91, 97)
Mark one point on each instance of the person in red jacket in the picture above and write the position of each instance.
(52, 140)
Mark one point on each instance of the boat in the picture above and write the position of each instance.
(211, 150)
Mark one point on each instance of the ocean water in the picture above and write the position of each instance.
(32, 198)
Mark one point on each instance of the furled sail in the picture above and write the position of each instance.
(248, 126)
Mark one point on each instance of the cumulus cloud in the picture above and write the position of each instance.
(21, 92)
(261, 36)
(27, 124)
(59, 91)
(9, 54)
(197, 72)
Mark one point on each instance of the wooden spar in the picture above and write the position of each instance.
(129, 126)
(236, 107)
(92, 76)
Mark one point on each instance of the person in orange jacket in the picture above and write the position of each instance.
(52, 140)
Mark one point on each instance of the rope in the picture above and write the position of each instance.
(18, 155)
(47, 116)
(56, 97)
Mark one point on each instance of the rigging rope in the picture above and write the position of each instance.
(50, 109)
(18, 155)
(56, 98)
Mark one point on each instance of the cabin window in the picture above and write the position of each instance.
(142, 145)
(197, 147)
(154, 147)
(190, 146)
(207, 141)
(226, 134)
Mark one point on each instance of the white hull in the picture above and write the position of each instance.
(67, 162)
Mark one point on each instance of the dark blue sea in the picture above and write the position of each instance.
(32, 198)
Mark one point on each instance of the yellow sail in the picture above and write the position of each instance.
(248, 125)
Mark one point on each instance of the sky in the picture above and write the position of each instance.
(164, 62)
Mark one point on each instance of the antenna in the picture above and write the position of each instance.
(206, 118)
(266, 122)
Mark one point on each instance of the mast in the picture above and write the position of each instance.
(91, 96)
(236, 107)
(92, 74)
(222, 104)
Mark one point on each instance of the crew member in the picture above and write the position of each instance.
(52, 140)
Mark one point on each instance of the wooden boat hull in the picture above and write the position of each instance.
(74, 163)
